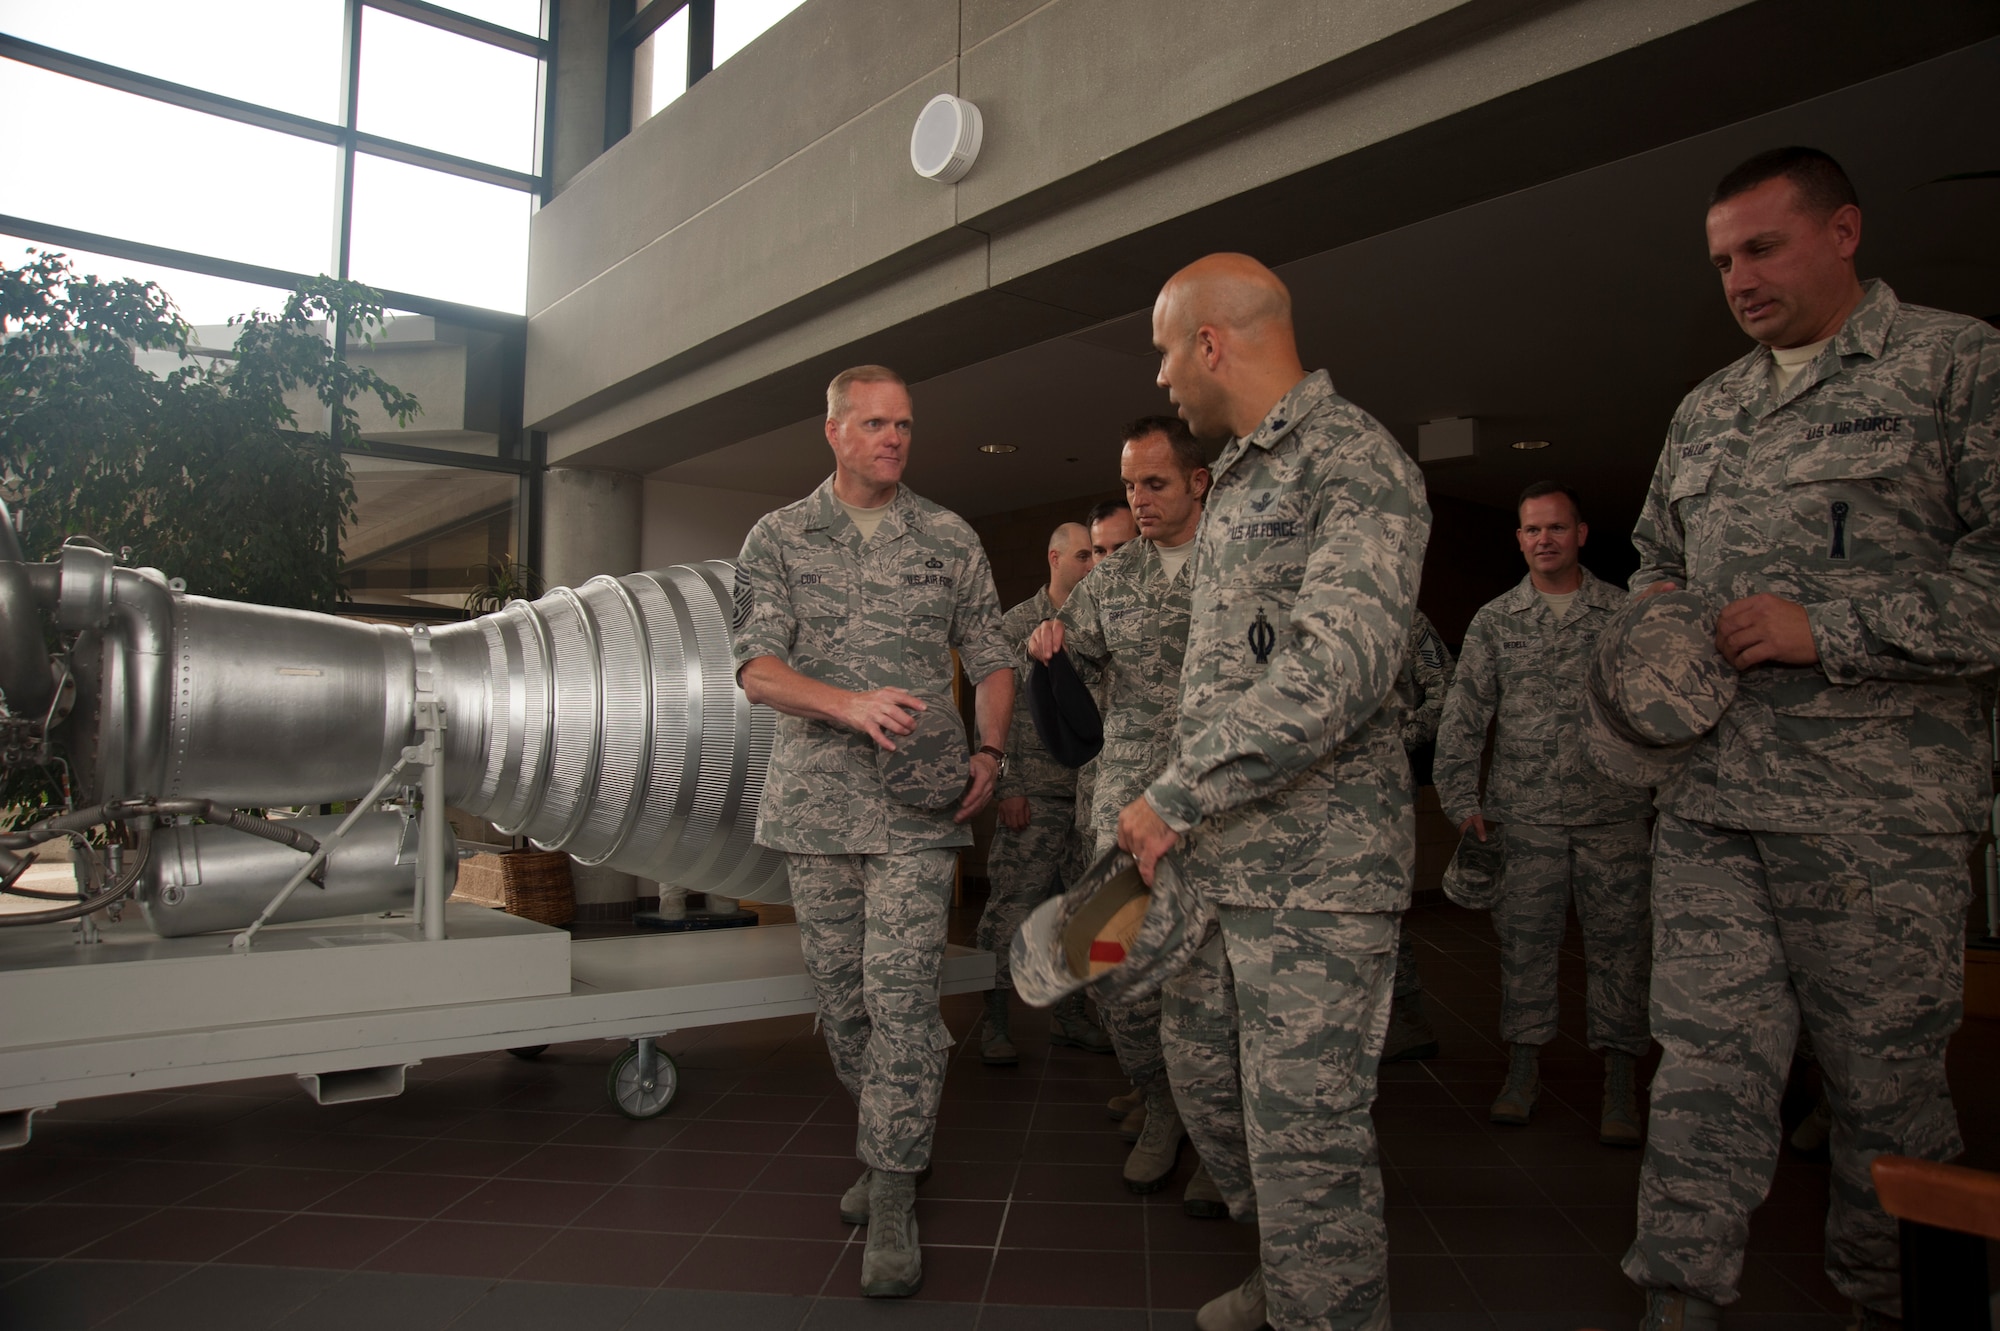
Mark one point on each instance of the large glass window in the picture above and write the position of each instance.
(278, 53)
(210, 149)
(439, 90)
(659, 68)
(456, 239)
(423, 534)
(84, 156)
(740, 22)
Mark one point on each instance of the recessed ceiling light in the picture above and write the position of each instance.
(997, 448)
(1530, 445)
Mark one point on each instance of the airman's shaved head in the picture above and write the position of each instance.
(1223, 328)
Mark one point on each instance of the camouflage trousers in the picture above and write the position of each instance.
(1605, 866)
(872, 929)
(1023, 869)
(1307, 995)
(1408, 984)
(1861, 939)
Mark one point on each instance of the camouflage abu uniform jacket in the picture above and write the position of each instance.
(1031, 772)
(1869, 492)
(1288, 762)
(884, 614)
(1523, 667)
(1423, 682)
(1127, 626)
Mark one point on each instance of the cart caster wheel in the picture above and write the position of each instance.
(529, 1051)
(631, 1096)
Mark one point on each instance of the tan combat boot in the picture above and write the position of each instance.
(1120, 1106)
(1241, 1309)
(1152, 1161)
(1203, 1200)
(1133, 1123)
(1619, 1124)
(1524, 1084)
(1410, 1037)
(1072, 1027)
(996, 1050)
(1671, 1310)
(891, 1265)
(854, 1202)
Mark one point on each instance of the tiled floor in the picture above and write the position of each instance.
(498, 1193)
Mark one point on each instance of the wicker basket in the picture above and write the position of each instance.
(538, 886)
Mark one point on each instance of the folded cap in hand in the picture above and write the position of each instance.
(1064, 713)
(1655, 685)
(1109, 934)
(931, 766)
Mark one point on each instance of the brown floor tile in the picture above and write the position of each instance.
(1192, 1279)
(147, 1183)
(1421, 1285)
(1489, 1230)
(1075, 1226)
(180, 1234)
(399, 1196)
(659, 1210)
(776, 1215)
(528, 1126)
(351, 1152)
(451, 1248)
(1552, 1284)
(1410, 1232)
(1608, 1229)
(606, 1257)
(30, 1174)
(267, 1188)
(1424, 1186)
(959, 1223)
(1070, 1279)
(1003, 1115)
(674, 1168)
(479, 1159)
(774, 1109)
(1072, 1183)
(335, 1242)
(816, 1174)
(1609, 1184)
(970, 1180)
(579, 1164)
(724, 1135)
(835, 1139)
(54, 1229)
(761, 1265)
(1095, 1147)
(526, 1202)
(977, 1144)
(618, 1130)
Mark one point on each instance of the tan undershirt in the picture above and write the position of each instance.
(867, 519)
(1557, 602)
(1174, 557)
(1788, 362)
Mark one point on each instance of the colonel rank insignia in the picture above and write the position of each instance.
(1262, 637)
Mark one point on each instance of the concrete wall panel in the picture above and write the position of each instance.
(820, 67)
(848, 202)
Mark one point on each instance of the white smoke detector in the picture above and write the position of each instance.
(946, 139)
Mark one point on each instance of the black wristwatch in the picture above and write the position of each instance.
(999, 756)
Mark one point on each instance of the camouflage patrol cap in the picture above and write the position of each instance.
(1472, 879)
(1656, 684)
(1109, 934)
(931, 766)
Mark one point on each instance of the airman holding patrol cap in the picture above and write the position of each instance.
(849, 604)
(1565, 829)
(1835, 495)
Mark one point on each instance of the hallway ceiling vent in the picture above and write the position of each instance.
(946, 139)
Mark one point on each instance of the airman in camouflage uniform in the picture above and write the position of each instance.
(1837, 493)
(1125, 627)
(1289, 780)
(846, 634)
(1566, 829)
(1033, 835)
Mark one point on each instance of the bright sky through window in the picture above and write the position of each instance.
(96, 160)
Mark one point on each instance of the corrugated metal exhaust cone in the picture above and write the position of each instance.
(1109, 934)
